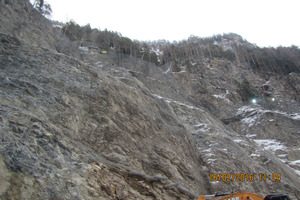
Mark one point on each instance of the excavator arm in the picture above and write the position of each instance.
(241, 195)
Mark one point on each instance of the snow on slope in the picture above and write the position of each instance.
(271, 145)
(251, 115)
(223, 96)
(176, 102)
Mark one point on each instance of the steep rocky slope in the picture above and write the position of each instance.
(105, 127)
(21, 20)
(231, 136)
(61, 118)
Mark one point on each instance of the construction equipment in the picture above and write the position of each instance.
(103, 52)
(242, 195)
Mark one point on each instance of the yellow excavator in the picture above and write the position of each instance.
(241, 195)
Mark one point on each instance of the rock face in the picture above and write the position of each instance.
(105, 128)
(19, 19)
(22, 21)
(61, 118)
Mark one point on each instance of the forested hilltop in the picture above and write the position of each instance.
(282, 60)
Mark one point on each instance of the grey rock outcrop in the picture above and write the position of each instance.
(108, 128)
(22, 21)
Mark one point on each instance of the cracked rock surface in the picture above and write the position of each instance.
(98, 128)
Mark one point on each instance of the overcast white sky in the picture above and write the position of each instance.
(264, 22)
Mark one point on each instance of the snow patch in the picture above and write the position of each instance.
(208, 66)
(295, 162)
(248, 110)
(202, 127)
(176, 102)
(297, 172)
(250, 120)
(251, 115)
(157, 51)
(245, 109)
(210, 155)
(211, 161)
(222, 97)
(254, 155)
(207, 150)
(214, 144)
(295, 116)
(167, 70)
(99, 64)
(182, 70)
(282, 155)
(238, 141)
(271, 145)
(251, 135)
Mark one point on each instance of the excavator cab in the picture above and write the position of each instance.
(277, 197)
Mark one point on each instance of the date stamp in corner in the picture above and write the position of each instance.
(243, 177)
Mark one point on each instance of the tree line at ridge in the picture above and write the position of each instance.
(282, 60)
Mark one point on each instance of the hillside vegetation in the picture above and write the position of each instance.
(280, 60)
